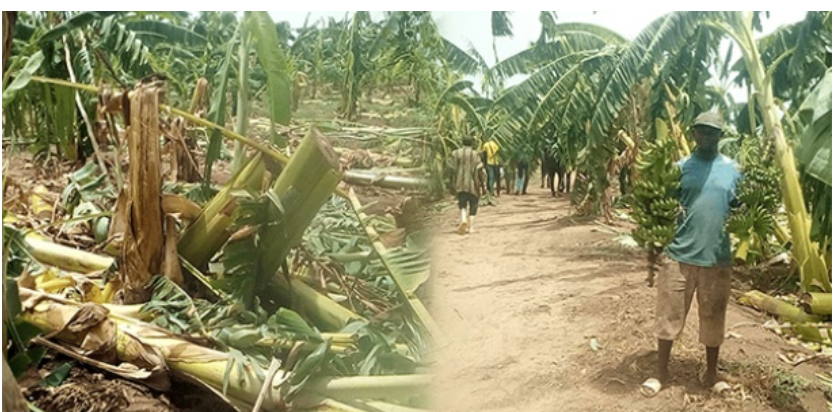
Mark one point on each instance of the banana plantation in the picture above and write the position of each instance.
(203, 208)
(219, 211)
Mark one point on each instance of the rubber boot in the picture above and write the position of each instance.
(471, 224)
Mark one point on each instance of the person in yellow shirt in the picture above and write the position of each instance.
(491, 148)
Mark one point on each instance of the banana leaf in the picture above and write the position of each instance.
(33, 63)
(275, 63)
(814, 153)
(218, 108)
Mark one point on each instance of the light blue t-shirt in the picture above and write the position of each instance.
(708, 188)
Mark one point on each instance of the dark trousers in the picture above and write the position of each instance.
(467, 199)
(494, 179)
(523, 177)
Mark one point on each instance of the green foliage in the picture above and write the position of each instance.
(786, 387)
(58, 375)
(501, 25)
(218, 107)
(253, 337)
(814, 155)
(170, 299)
(86, 185)
(33, 63)
(241, 255)
(16, 258)
(336, 233)
(275, 63)
(799, 55)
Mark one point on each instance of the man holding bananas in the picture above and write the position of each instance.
(700, 253)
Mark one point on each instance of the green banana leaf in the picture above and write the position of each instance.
(814, 153)
(275, 63)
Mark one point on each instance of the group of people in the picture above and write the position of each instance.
(698, 260)
(473, 173)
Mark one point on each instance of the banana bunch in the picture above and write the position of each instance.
(751, 220)
(655, 206)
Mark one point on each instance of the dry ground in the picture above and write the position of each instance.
(521, 301)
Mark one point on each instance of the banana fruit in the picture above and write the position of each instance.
(655, 204)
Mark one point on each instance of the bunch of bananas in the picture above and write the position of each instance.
(758, 201)
(655, 205)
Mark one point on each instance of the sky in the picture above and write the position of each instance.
(465, 28)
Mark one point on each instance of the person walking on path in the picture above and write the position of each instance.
(522, 171)
(699, 258)
(491, 148)
(466, 171)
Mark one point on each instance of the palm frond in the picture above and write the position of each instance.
(799, 56)
(501, 25)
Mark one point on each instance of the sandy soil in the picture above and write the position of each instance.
(522, 300)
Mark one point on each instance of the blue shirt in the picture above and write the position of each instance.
(708, 188)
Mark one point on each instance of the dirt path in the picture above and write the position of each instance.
(522, 299)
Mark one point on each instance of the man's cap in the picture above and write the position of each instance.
(710, 119)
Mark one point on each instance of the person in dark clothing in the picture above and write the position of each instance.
(550, 167)
(523, 177)
(466, 171)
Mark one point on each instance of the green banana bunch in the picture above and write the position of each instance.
(752, 219)
(655, 206)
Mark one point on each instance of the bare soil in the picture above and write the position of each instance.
(542, 311)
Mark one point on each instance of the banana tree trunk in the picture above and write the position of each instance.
(785, 311)
(9, 22)
(141, 343)
(817, 303)
(142, 248)
(810, 262)
(303, 187)
(358, 177)
(199, 97)
(208, 233)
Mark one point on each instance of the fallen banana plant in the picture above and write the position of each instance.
(229, 326)
(817, 303)
(406, 284)
(358, 177)
(91, 330)
(784, 310)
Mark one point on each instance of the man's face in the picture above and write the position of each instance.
(705, 139)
